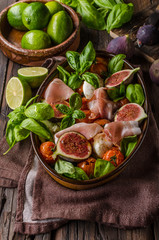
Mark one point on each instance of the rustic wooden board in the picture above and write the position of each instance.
(151, 53)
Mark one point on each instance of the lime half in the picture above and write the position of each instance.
(17, 93)
(34, 76)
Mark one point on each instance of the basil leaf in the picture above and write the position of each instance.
(73, 60)
(10, 133)
(90, 15)
(20, 133)
(14, 142)
(87, 57)
(63, 108)
(128, 144)
(102, 167)
(79, 174)
(75, 101)
(66, 122)
(135, 94)
(53, 127)
(15, 111)
(120, 14)
(16, 117)
(108, 4)
(36, 127)
(117, 94)
(119, 1)
(64, 75)
(64, 167)
(39, 111)
(71, 3)
(91, 78)
(74, 81)
(32, 99)
(116, 63)
(78, 114)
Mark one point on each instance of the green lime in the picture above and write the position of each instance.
(34, 76)
(17, 93)
(60, 27)
(54, 7)
(36, 16)
(36, 39)
(14, 16)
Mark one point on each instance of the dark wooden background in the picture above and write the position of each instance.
(74, 230)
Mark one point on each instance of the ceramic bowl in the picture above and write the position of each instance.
(88, 184)
(10, 40)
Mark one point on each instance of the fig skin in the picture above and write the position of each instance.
(154, 72)
(148, 35)
(122, 45)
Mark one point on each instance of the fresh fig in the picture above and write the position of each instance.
(122, 45)
(130, 112)
(154, 72)
(122, 76)
(73, 147)
(148, 35)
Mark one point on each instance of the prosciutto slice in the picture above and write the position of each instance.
(57, 91)
(89, 130)
(116, 131)
(101, 105)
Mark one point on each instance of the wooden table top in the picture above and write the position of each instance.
(74, 230)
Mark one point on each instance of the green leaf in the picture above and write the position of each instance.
(102, 167)
(135, 94)
(63, 108)
(116, 93)
(120, 14)
(64, 167)
(53, 127)
(71, 3)
(128, 144)
(79, 174)
(116, 63)
(40, 111)
(107, 4)
(16, 117)
(36, 127)
(78, 114)
(20, 133)
(66, 122)
(10, 133)
(87, 57)
(32, 99)
(90, 15)
(17, 110)
(64, 75)
(74, 81)
(73, 60)
(91, 78)
(75, 101)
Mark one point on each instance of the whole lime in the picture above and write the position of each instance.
(35, 40)
(35, 16)
(54, 7)
(14, 16)
(60, 27)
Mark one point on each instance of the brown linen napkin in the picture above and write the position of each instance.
(130, 200)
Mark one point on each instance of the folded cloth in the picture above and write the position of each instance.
(130, 200)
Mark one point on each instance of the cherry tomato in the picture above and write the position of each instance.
(102, 60)
(98, 68)
(46, 150)
(84, 104)
(80, 90)
(102, 122)
(88, 166)
(114, 155)
(87, 119)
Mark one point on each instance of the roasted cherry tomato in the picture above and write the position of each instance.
(102, 60)
(98, 68)
(87, 119)
(46, 150)
(84, 104)
(80, 90)
(114, 155)
(88, 166)
(102, 122)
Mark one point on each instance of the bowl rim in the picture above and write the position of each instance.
(125, 162)
(62, 46)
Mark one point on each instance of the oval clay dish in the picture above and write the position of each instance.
(10, 40)
(88, 184)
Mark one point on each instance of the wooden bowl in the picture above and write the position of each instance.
(88, 184)
(10, 40)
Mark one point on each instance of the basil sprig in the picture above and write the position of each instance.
(116, 63)
(116, 93)
(80, 63)
(26, 119)
(73, 112)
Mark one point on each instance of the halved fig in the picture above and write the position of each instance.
(130, 112)
(73, 147)
(122, 76)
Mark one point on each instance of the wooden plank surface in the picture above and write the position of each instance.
(74, 230)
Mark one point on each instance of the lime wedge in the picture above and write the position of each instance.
(17, 93)
(34, 76)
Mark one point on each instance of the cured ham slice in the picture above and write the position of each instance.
(89, 130)
(101, 105)
(57, 91)
(116, 131)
